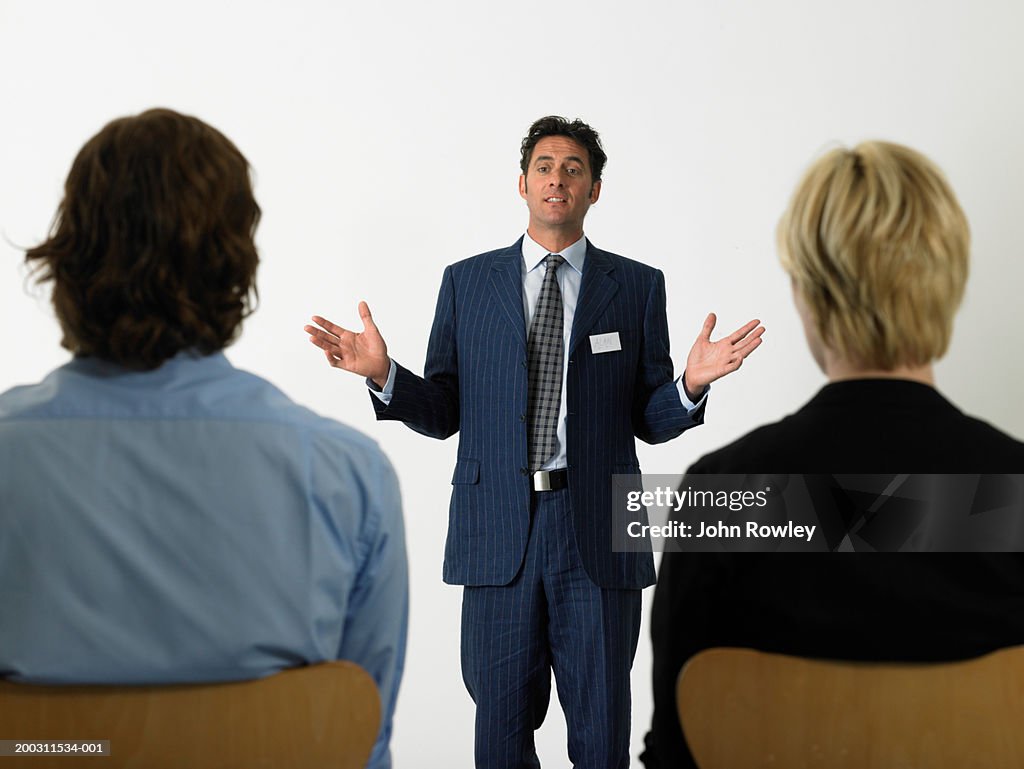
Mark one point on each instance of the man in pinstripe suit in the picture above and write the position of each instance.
(545, 417)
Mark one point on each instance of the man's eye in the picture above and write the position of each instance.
(573, 171)
(542, 169)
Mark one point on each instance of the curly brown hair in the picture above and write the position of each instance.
(577, 130)
(151, 250)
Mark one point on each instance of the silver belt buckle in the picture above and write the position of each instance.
(542, 480)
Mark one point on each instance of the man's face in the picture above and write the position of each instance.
(558, 187)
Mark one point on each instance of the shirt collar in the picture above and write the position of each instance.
(534, 253)
(184, 360)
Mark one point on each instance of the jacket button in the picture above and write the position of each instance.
(522, 471)
(522, 417)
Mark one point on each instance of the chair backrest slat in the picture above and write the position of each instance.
(742, 709)
(324, 715)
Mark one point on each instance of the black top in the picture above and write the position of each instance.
(858, 606)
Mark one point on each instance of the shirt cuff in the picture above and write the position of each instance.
(689, 405)
(384, 394)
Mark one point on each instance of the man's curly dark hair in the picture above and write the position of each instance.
(151, 251)
(577, 130)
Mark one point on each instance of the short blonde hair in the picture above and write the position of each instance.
(878, 247)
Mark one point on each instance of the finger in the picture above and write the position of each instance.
(323, 344)
(332, 359)
(313, 331)
(367, 318)
(709, 326)
(341, 346)
(754, 335)
(322, 338)
(337, 360)
(738, 334)
(748, 347)
(334, 328)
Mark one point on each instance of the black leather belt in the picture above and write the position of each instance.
(550, 480)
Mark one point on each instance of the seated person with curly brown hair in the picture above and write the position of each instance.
(165, 516)
(876, 246)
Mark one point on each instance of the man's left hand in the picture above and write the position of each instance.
(709, 360)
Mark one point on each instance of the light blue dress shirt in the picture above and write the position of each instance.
(193, 524)
(570, 278)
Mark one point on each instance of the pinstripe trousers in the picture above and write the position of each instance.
(550, 617)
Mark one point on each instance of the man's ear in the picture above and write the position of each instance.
(595, 192)
(522, 186)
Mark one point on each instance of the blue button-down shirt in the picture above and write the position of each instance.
(193, 524)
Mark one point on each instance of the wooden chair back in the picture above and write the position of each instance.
(324, 715)
(742, 709)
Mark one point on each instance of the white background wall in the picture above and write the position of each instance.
(385, 142)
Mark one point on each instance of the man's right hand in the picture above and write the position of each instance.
(365, 353)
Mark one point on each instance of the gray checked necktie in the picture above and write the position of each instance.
(544, 355)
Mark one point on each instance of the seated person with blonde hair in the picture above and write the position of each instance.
(876, 246)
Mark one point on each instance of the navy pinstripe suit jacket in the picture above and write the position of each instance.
(475, 383)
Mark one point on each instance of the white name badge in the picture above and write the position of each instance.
(605, 343)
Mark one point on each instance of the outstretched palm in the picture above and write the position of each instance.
(364, 353)
(709, 360)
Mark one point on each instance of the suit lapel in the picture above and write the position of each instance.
(507, 287)
(596, 290)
